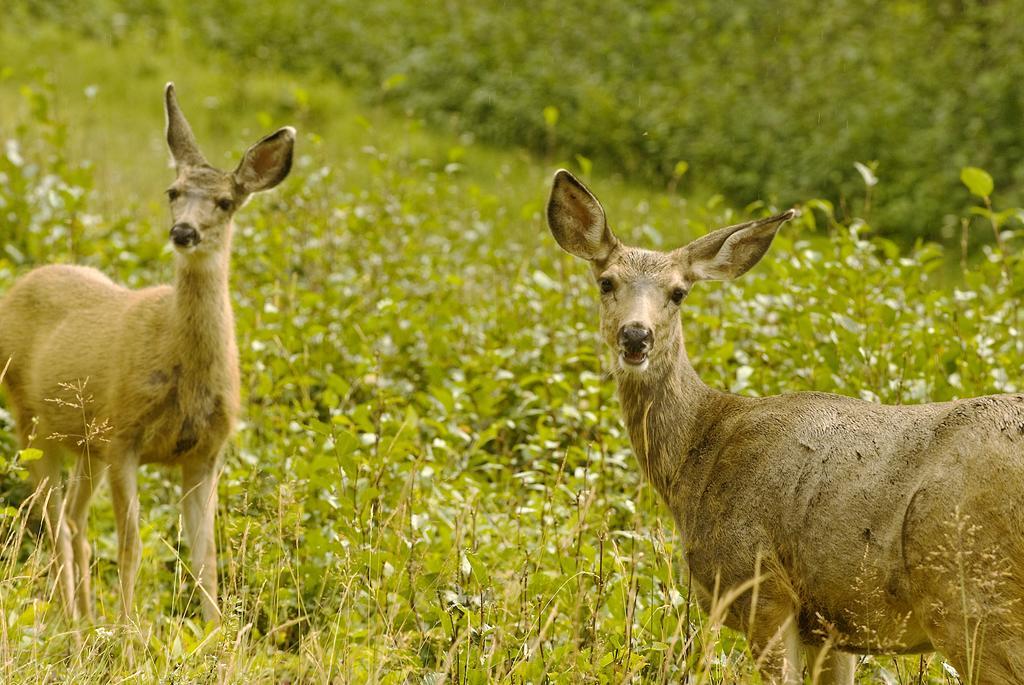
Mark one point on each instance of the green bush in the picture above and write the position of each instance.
(764, 101)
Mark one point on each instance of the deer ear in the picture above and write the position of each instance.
(730, 252)
(180, 139)
(577, 220)
(266, 163)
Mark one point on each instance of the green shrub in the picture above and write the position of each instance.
(764, 101)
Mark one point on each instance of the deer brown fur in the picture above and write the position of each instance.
(869, 529)
(155, 371)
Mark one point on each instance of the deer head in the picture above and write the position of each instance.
(642, 290)
(202, 198)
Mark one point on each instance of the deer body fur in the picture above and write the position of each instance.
(867, 528)
(165, 401)
(120, 378)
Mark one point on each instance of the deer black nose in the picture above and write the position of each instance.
(184, 235)
(635, 337)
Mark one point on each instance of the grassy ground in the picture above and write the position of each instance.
(431, 482)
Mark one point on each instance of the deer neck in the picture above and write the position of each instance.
(203, 328)
(664, 410)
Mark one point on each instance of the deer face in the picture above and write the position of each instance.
(641, 290)
(202, 198)
(202, 201)
(640, 295)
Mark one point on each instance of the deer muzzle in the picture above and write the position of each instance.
(635, 342)
(184, 235)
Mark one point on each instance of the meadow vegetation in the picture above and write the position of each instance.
(431, 482)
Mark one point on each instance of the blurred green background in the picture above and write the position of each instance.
(760, 100)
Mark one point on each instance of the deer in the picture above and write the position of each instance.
(148, 376)
(838, 527)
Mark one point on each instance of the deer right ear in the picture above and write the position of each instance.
(731, 251)
(577, 220)
(180, 139)
(266, 163)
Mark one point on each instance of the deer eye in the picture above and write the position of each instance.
(172, 194)
(224, 204)
(606, 285)
(678, 294)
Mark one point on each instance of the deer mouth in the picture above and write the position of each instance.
(635, 342)
(633, 357)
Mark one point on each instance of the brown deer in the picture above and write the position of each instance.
(845, 527)
(126, 377)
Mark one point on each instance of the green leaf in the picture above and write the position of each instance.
(479, 568)
(586, 165)
(977, 181)
(866, 173)
(1005, 215)
(393, 81)
(550, 116)
(30, 454)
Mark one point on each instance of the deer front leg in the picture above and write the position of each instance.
(777, 649)
(124, 492)
(832, 667)
(89, 473)
(49, 502)
(199, 504)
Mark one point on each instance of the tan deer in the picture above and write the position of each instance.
(160, 365)
(858, 528)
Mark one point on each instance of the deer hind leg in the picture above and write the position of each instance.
(45, 473)
(124, 493)
(830, 667)
(986, 656)
(1003, 663)
(1000, 653)
(984, 651)
(88, 475)
(989, 665)
(971, 604)
(199, 505)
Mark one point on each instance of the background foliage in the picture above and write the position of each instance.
(431, 482)
(761, 100)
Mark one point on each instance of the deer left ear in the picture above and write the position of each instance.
(266, 163)
(730, 252)
(577, 220)
(180, 140)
